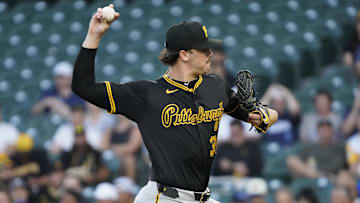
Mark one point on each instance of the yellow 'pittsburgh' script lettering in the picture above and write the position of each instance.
(172, 115)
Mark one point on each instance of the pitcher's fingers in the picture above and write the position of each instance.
(256, 122)
(254, 116)
(117, 15)
(111, 5)
(99, 13)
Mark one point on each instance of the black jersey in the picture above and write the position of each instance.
(178, 124)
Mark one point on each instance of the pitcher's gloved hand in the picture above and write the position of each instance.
(249, 103)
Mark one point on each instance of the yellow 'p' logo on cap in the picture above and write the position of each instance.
(205, 31)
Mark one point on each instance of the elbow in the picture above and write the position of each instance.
(75, 87)
(75, 81)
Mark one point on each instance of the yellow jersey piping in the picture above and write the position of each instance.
(183, 87)
(111, 99)
(157, 198)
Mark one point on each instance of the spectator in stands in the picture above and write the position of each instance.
(83, 161)
(9, 135)
(52, 191)
(64, 137)
(283, 195)
(339, 194)
(125, 141)
(284, 102)
(256, 188)
(218, 67)
(240, 197)
(27, 162)
(218, 64)
(352, 49)
(4, 195)
(322, 103)
(353, 153)
(98, 119)
(126, 188)
(347, 181)
(313, 160)
(19, 192)
(350, 124)
(70, 196)
(106, 193)
(59, 99)
(238, 156)
(356, 69)
(307, 195)
(72, 183)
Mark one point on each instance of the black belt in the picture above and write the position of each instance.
(173, 193)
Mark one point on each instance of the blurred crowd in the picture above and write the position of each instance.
(71, 168)
(324, 144)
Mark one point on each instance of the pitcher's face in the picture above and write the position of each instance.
(200, 60)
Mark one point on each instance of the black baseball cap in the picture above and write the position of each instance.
(188, 35)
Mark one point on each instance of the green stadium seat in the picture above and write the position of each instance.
(275, 166)
(6, 24)
(321, 186)
(67, 8)
(4, 7)
(22, 12)
(293, 41)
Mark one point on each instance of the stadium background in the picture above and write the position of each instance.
(292, 42)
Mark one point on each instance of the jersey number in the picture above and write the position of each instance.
(213, 141)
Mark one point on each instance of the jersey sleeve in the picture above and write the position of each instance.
(233, 109)
(117, 98)
(126, 99)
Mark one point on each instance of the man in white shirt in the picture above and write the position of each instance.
(64, 137)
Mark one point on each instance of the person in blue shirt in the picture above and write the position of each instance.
(284, 131)
(60, 98)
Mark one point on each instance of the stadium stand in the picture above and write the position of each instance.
(296, 43)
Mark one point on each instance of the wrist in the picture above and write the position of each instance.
(91, 41)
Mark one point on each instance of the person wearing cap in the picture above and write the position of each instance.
(83, 162)
(60, 98)
(106, 193)
(127, 189)
(178, 114)
(256, 189)
(29, 163)
(312, 161)
(26, 162)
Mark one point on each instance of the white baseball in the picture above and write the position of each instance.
(109, 13)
